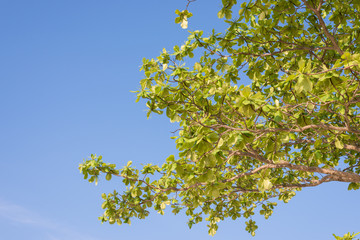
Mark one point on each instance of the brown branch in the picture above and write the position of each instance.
(346, 146)
(320, 5)
(329, 70)
(312, 183)
(250, 173)
(282, 51)
(335, 174)
(323, 26)
(351, 147)
(299, 129)
(189, 1)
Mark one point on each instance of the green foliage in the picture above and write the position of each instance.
(183, 18)
(347, 236)
(242, 147)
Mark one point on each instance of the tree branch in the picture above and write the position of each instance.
(323, 25)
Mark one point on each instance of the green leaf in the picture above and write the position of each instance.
(301, 64)
(267, 184)
(339, 144)
(133, 193)
(221, 142)
(246, 92)
(184, 23)
(264, 185)
(171, 158)
(303, 84)
(354, 186)
(262, 16)
(108, 176)
(228, 14)
(163, 206)
(221, 14)
(165, 66)
(197, 66)
(212, 232)
(307, 84)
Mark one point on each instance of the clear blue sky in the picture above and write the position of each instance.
(66, 69)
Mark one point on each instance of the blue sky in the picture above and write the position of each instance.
(66, 71)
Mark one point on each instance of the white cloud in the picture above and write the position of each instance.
(52, 230)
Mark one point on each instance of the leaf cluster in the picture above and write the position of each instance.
(242, 146)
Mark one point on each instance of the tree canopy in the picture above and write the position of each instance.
(243, 148)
